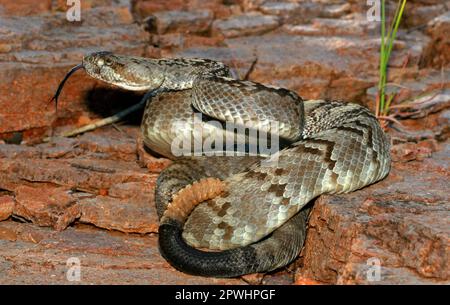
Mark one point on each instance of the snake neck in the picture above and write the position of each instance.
(182, 73)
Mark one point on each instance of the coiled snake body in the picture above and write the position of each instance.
(253, 221)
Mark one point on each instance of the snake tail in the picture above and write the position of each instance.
(283, 247)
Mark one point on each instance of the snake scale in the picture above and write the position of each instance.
(227, 216)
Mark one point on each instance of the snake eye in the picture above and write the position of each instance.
(104, 62)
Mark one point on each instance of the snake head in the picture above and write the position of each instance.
(127, 72)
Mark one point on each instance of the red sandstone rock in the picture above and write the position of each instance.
(42, 204)
(439, 49)
(33, 63)
(83, 174)
(180, 21)
(402, 222)
(243, 25)
(126, 215)
(33, 255)
(254, 278)
(148, 7)
(305, 281)
(280, 8)
(68, 180)
(410, 151)
(309, 66)
(149, 161)
(419, 14)
(6, 207)
(24, 7)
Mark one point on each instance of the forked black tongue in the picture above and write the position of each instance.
(61, 84)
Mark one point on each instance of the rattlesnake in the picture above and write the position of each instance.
(251, 216)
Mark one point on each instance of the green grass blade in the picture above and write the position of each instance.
(387, 43)
(382, 60)
(397, 19)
